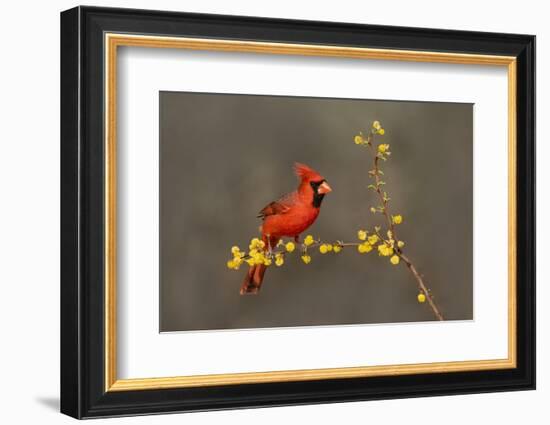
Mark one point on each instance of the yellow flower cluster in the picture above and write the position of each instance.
(309, 240)
(258, 257)
(257, 254)
(384, 148)
(377, 128)
(372, 239)
(359, 139)
(324, 248)
(421, 298)
(232, 264)
(306, 258)
(237, 260)
(256, 244)
(397, 219)
(385, 249)
(368, 241)
(364, 247)
(279, 259)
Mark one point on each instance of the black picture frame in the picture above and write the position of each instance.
(83, 392)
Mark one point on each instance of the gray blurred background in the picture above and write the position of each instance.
(224, 157)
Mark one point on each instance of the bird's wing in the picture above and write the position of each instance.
(280, 206)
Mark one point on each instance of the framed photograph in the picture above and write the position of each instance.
(261, 212)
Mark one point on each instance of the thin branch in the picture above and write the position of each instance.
(422, 287)
(385, 210)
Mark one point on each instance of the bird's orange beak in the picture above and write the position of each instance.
(324, 188)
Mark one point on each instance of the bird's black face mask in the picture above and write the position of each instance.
(317, 197)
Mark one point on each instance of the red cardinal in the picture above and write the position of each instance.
(288, 217)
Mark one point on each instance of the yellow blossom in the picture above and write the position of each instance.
(308, 240)
(372, 209)
(235, 263)
(381, 132)
(385, 250)
(259, 258)
(373, 239)
(237, 254)
(256, 244)
(336, 248)
(383, 148)
(362, 235)
(323, 249)
(394, 260)
(359, 140)
(290, 246)
(364, 248)
(376, 125)
(306, 258)
(421, 298)
(397, 219)
(267, 261)
(329, 247)
(279, 260)
(400, 244)
(250, 261)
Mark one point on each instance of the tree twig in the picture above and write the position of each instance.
(385, 210)
(422, 287)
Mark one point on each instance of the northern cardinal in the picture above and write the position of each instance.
(289, 216)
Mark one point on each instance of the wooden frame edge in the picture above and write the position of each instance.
(306, 375)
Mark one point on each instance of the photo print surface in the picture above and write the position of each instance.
(283, 211)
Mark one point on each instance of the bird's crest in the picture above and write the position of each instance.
(304, 172)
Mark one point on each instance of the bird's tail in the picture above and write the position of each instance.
(253, 279)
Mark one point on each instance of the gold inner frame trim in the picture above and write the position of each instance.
(113, 41)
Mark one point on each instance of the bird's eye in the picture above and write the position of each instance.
(315, 185)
